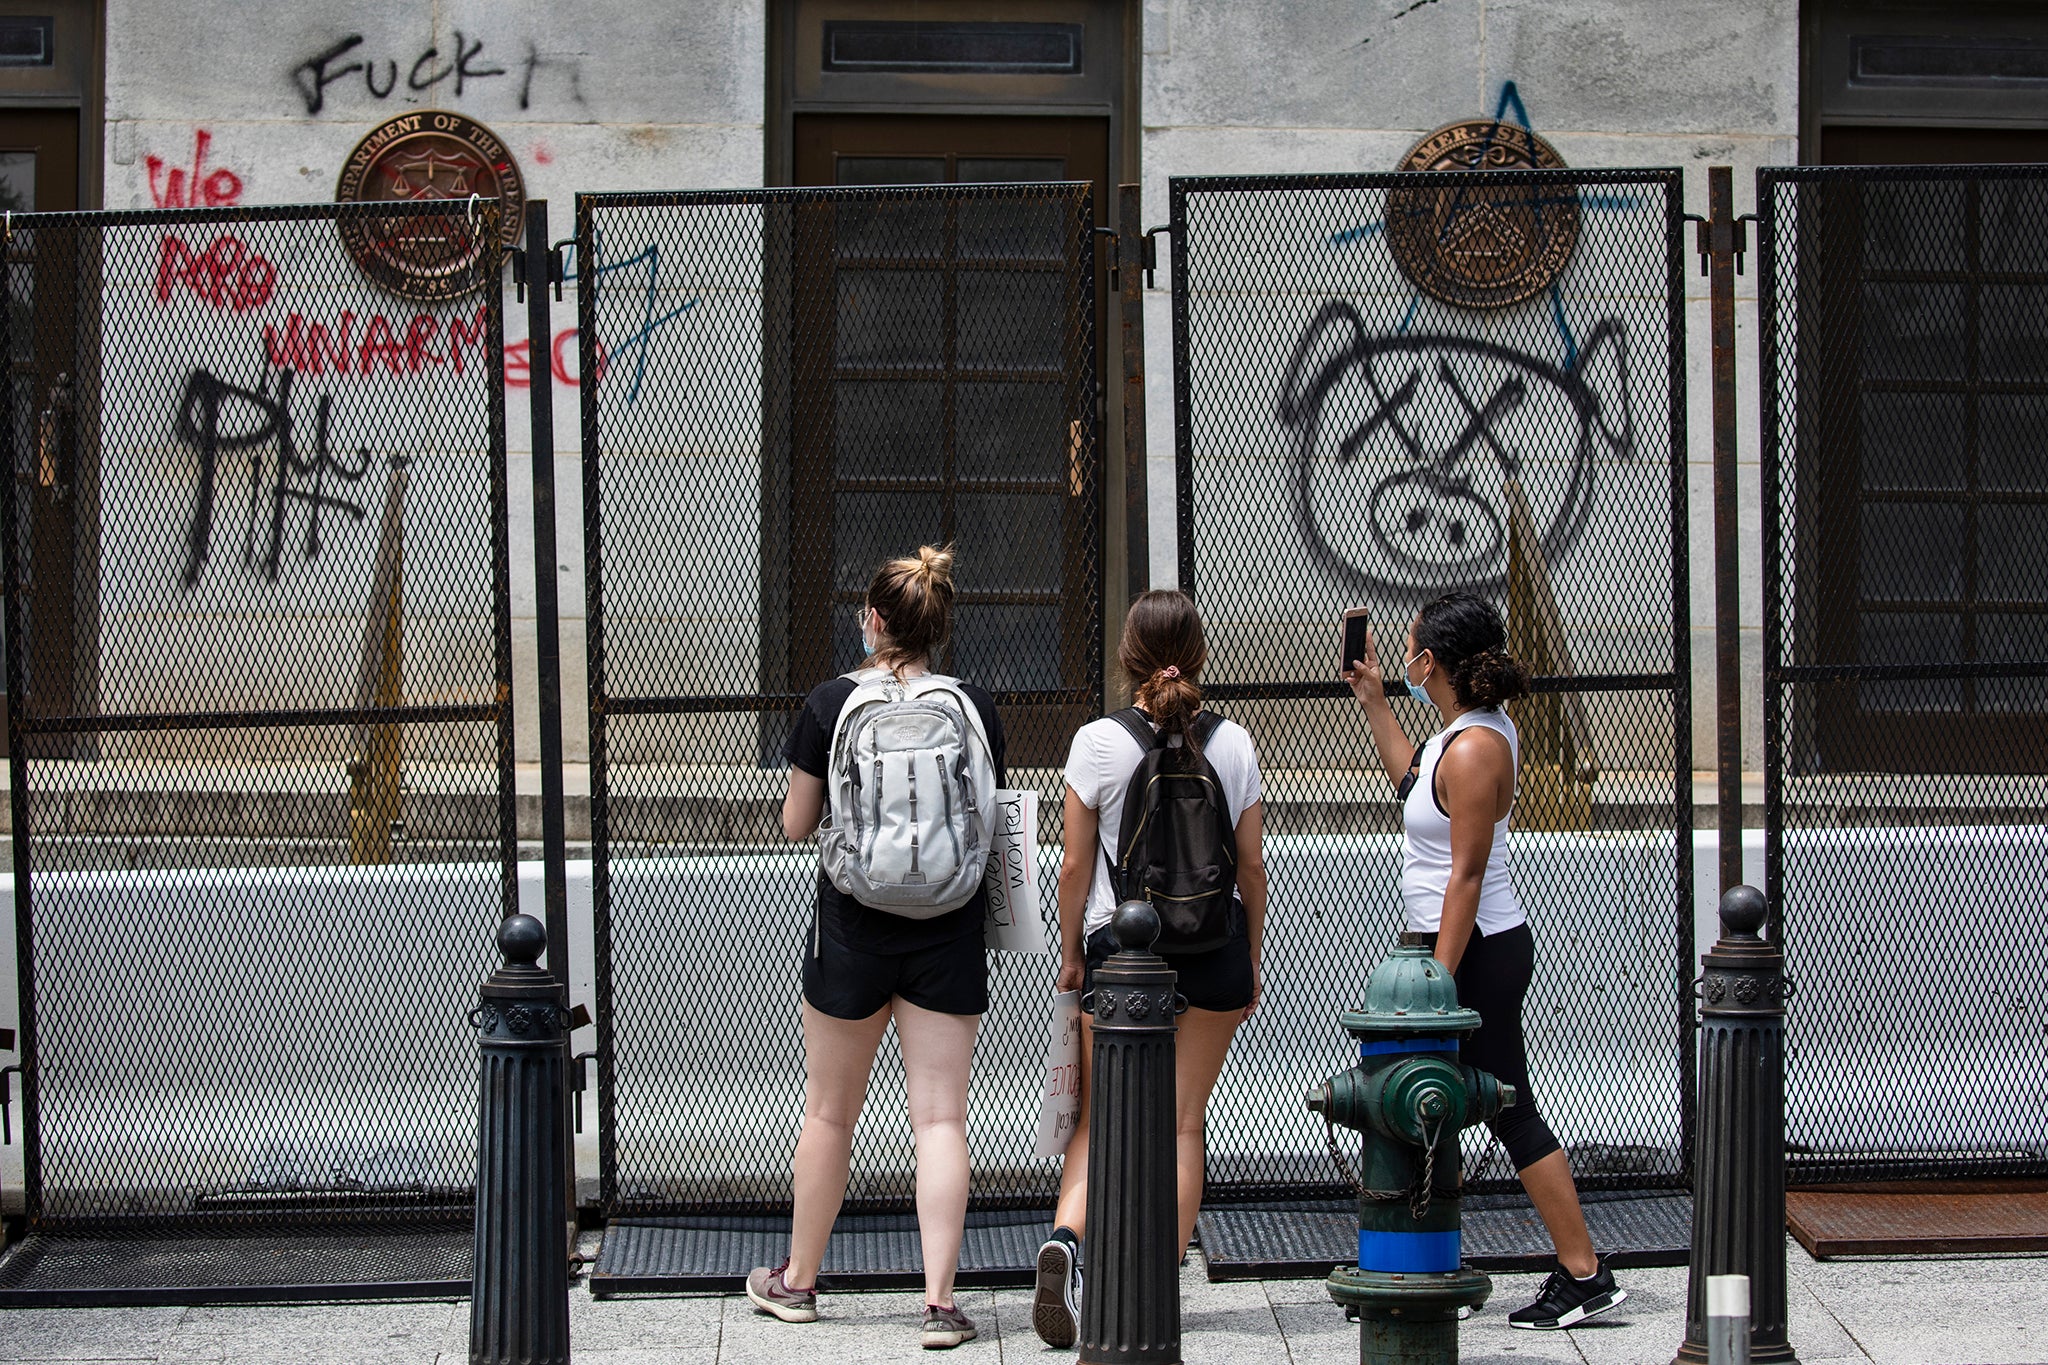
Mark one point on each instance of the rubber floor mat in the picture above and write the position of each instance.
(1301, 1240)
(877, 1251)
(50, 1271)
(1850, 1222)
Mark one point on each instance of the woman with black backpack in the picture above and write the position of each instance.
(1457, 791)
(880, 955)
(1190, 842)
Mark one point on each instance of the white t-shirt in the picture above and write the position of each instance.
(1099, 767)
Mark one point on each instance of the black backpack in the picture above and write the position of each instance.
(1176, 847)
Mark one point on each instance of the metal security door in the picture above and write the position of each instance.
(259, 861)
(773, 370)
(1905, 502)
(1388, 386)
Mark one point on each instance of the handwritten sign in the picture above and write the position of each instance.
(1059, 1099)
(1014, 922)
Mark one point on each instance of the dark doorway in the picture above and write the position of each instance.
(925, 427)
(1930, 484)
(54, 480)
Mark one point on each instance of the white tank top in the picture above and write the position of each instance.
(1426, 845)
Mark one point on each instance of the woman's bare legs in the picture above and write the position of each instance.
(838, 1055)
(1549, 1183)
(1198, 1053)
(938, 1050)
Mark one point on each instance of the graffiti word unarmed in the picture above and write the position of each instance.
(1403, 443)
(460, 68)
(374, 346)
(192, 186)
(225, 274)
(282, 476)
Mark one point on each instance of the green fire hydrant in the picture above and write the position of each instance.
(1411, 1098)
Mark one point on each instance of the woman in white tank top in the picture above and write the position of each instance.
(1457, 791)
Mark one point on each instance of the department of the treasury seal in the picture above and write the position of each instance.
(1483, 246)
(427, 154)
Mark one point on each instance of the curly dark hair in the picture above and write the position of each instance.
(1470, 644)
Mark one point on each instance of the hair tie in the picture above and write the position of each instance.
(1170, 671)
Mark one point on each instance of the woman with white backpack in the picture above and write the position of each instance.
(895, 768)
(1162, 804)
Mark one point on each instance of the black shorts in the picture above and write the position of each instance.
(1219, 980)
(847, 983)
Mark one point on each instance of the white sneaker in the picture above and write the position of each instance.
(1056, 1298)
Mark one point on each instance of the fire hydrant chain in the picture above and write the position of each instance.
(1418, 1199)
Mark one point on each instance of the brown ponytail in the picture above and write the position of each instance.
(1162, 652)
(914, 596)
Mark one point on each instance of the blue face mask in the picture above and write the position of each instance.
(1415, 689)
(867, 649)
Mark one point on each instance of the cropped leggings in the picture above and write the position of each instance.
(1492, 978)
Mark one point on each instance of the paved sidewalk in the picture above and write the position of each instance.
(1985, 1311)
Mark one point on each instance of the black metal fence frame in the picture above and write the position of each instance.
(603, 704)
(1783, 674)
(1677, 683)
(497, 712)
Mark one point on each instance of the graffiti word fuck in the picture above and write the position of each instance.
(461, 67)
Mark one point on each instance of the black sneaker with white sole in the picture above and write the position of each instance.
(1567, 1302)
(1056, 1299)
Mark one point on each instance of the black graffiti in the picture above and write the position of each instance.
(465, 66)
(216, 418)
(1427, 430)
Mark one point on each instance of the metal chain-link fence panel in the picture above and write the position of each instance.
(259, 667)
(786, 388)
(1905, 597)
(1388, 386)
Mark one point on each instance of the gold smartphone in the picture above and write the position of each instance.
(1357, 639)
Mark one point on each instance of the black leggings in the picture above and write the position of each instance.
(1492, 978)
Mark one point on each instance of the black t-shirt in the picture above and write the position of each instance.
(860, 927)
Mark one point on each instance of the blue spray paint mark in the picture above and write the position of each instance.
(650, 323)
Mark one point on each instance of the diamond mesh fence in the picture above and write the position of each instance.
(1905, 501)
(259, 672)
(846, 374)
(1386, 387)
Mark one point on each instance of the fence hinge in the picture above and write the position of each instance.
(558, 267)
(1148, 254)
(1113, 255)
(579, 1081)
(556, 270)
(1732, 239)
(6, 1114)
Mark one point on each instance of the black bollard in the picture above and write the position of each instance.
(1738, 1204)
(1130, 1308)
(519, 1301)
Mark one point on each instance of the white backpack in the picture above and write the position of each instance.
(910, 796)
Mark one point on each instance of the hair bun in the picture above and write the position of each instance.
(935, 563)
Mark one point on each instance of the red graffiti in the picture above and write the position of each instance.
(519, 361)
(384, 346)
(227, 274)
(193, 187)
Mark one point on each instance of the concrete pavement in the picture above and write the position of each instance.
(1981, 1311)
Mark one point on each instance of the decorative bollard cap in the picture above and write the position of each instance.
(1136, 926)
(1742, 912)
(1410, 995)
(522, 939)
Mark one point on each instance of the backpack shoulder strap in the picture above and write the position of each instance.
(1134, 722)
(940, 682)
(1204, 725)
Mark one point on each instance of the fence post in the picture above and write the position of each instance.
(1721, 243)
(1738, 1208)
(1132, 248)
(1130, 1312)
(519, 1298)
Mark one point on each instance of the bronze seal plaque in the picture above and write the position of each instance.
(428, 154)
(1483, 246)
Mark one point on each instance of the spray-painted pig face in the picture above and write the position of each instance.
(1404, 446)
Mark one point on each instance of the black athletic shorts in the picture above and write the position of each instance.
(1219, 980)
(950, 977)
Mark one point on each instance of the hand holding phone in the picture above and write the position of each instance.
(1360, 666)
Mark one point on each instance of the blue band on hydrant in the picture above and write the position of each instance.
(1408, 1045)
(1407, 1252)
